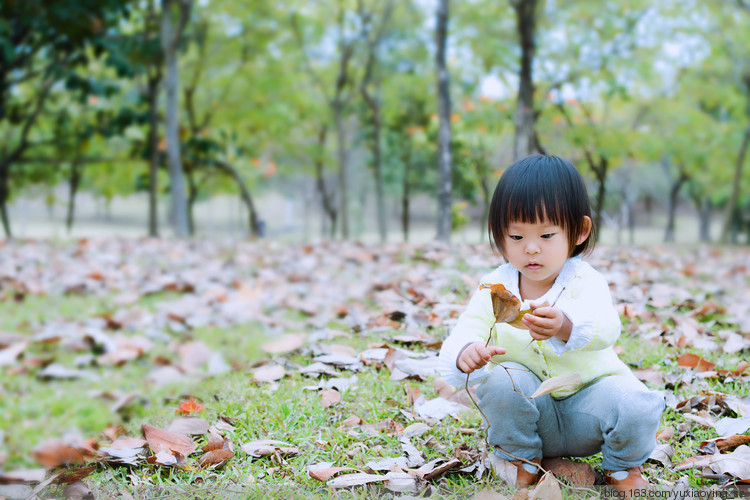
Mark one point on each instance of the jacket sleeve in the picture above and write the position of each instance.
(473, 325)
(587, 302)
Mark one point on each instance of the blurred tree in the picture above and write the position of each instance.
(170, 41)
(43, 43)
(445, 160)
(374, 25)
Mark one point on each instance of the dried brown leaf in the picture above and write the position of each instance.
(160, 440)
(578, 474)
(329, 397)
(287, 343)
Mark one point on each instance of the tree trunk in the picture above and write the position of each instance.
(170, 40)
(705, 220)
(734, 196)
(674, 193)
(4, 174)
(445, 160)
(192, 196)
(406, 190)
(75, 181)
(342, 154)
(525, 142)
(153, 147)
(377, 162)
(329, 209)
(600, 171)
(244, 194)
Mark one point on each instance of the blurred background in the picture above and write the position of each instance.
(370, 120)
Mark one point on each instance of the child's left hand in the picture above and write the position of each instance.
(546, 322)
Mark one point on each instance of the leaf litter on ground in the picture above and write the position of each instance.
(412, 301)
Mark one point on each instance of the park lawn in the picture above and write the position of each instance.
(34, 410)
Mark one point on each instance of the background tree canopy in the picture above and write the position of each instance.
(189, 100)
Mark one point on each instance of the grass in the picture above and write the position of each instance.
(33, 410)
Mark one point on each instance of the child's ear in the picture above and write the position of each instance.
(586, 230)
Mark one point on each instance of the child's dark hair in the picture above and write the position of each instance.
(539, 187)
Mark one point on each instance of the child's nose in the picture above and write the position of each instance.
(532, 248)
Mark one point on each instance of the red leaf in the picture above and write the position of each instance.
(189, 406)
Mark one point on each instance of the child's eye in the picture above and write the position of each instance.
(515, 237)
(548, 236)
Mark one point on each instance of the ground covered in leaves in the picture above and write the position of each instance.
(154, 369)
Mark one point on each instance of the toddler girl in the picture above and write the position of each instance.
(540, 221)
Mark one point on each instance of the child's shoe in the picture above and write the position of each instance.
(524, 478)
(626, 484)
(514, 472)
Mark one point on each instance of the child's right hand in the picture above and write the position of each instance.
(476, 355)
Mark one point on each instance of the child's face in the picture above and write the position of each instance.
(537, 250)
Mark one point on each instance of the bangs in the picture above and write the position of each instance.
(536, 189)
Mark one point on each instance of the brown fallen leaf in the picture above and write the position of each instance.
(329, 397)
(217, 454)
(547, 489)
(665, 435)
(725, 443)
(285, 344)
(352, 421)
(160, 440)
(578, 474)
(695, 362)
(54, 453)
(269, 373)
(325, 473)
(191, 426)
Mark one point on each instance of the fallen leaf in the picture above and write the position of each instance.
(323, 474)
(729, 426)
(267, 447)
(217, 454)
(400, 482)
(695, 362)
(54, 453)
(329, 397)
(287, 343)
(189, 406)
(578, 474)
(547, 489)
(270, 373)
(726, 443)
(191, 426)
(358, 479)
(662, 454)
(23, 476)
(161, 440)
(665, 435)
(564, 382)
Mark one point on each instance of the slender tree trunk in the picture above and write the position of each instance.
(343, 160)
(4, 174)
(329, 209)
(734, 196)
(153, 147)
(192, 196)
(377, 161)
(705, 220)
(406, 190)
(525, 142)
(445, 160)
(75, 180)
(674, 194)
(244, 195)
(600, 170)
(170, 39)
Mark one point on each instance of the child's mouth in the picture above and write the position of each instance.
(533, 266)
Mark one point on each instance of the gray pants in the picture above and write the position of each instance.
(616, 415)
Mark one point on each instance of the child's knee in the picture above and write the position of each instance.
(511, 382)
